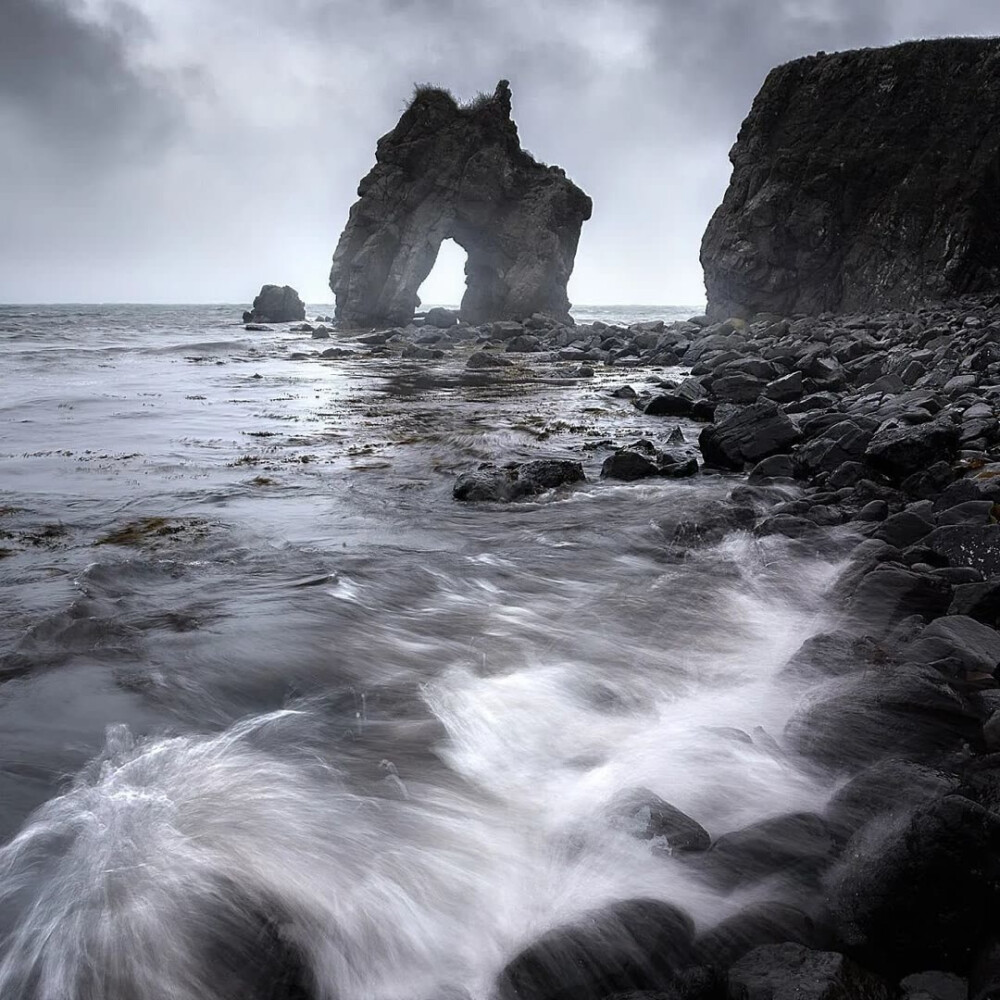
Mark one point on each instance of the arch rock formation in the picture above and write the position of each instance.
(447, 171)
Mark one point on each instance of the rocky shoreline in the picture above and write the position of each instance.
(872, 434)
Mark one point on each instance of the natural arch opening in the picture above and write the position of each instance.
(445, 285)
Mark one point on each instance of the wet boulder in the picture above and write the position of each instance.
(756, 925)
(890, 593)
(899, 451)
(793, 972)
(976, 545)
(646, 816)
(922, 892)
(276, 304)
(907, 711)
(487, 359)
(842, 442)
(516, 481)
(638, 944)
(641, 460)
(748, 435)
(669, 404)
(794, 847)
(890, 786)
(934, 986)
(974, 646)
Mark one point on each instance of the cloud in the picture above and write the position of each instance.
(182, 150)
(69, 82)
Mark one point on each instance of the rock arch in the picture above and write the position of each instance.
(459, 172)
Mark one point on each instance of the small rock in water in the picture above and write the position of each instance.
(277, 304)
(641, 460)
(517, 480)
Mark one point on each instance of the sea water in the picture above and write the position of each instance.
(267, 690)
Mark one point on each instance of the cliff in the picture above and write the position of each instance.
(863, 180)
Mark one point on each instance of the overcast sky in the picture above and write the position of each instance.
(191, 150)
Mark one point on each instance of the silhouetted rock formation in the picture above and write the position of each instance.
(863, 180)
(276, 304)
(459, 172)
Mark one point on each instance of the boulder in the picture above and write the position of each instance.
(641, 460)
(899, 451)
(920, 893)
(975, 646)
(890, 593)
(975, 545)
(755, 925)
(669, 404)
(516, 481)
(843, 442)
(934, 986)
(793, 972)
(909, 712)
(276, 304)
(646, 816)
(748, 435)
(638, 944)
(487, 359)
(861, 180)
(889, 786)
(459, 172)
(794, 846)
(441, 318)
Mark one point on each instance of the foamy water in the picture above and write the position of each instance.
(335, 722)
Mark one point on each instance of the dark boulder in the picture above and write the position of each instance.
(899, 451)
(890, 593)
(978, 600)
(516, 481)
(276, 304)
(641, 460)
(795, 847)
(441, 318)
(920, 893)
(843, 442)
(639, 944)
(903, 529)
(669, 404)
(748, 435)
(853, 190)
(889, 786)
(909, 711)
(447, 171)
(793, 972)
(487, 359)
(646, 816)
(755, 925)
(973, 645)
(830, 654)
(975, 545)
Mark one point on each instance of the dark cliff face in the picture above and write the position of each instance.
(459, 172)
(863, 180)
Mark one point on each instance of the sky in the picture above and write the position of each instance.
(192, 150)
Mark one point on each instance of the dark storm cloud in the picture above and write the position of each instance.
(69, 81)
(724, 48)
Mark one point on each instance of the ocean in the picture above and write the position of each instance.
(262, 678)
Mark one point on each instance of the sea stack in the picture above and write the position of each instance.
(276, 304)
(450, 171)
(861, 181)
